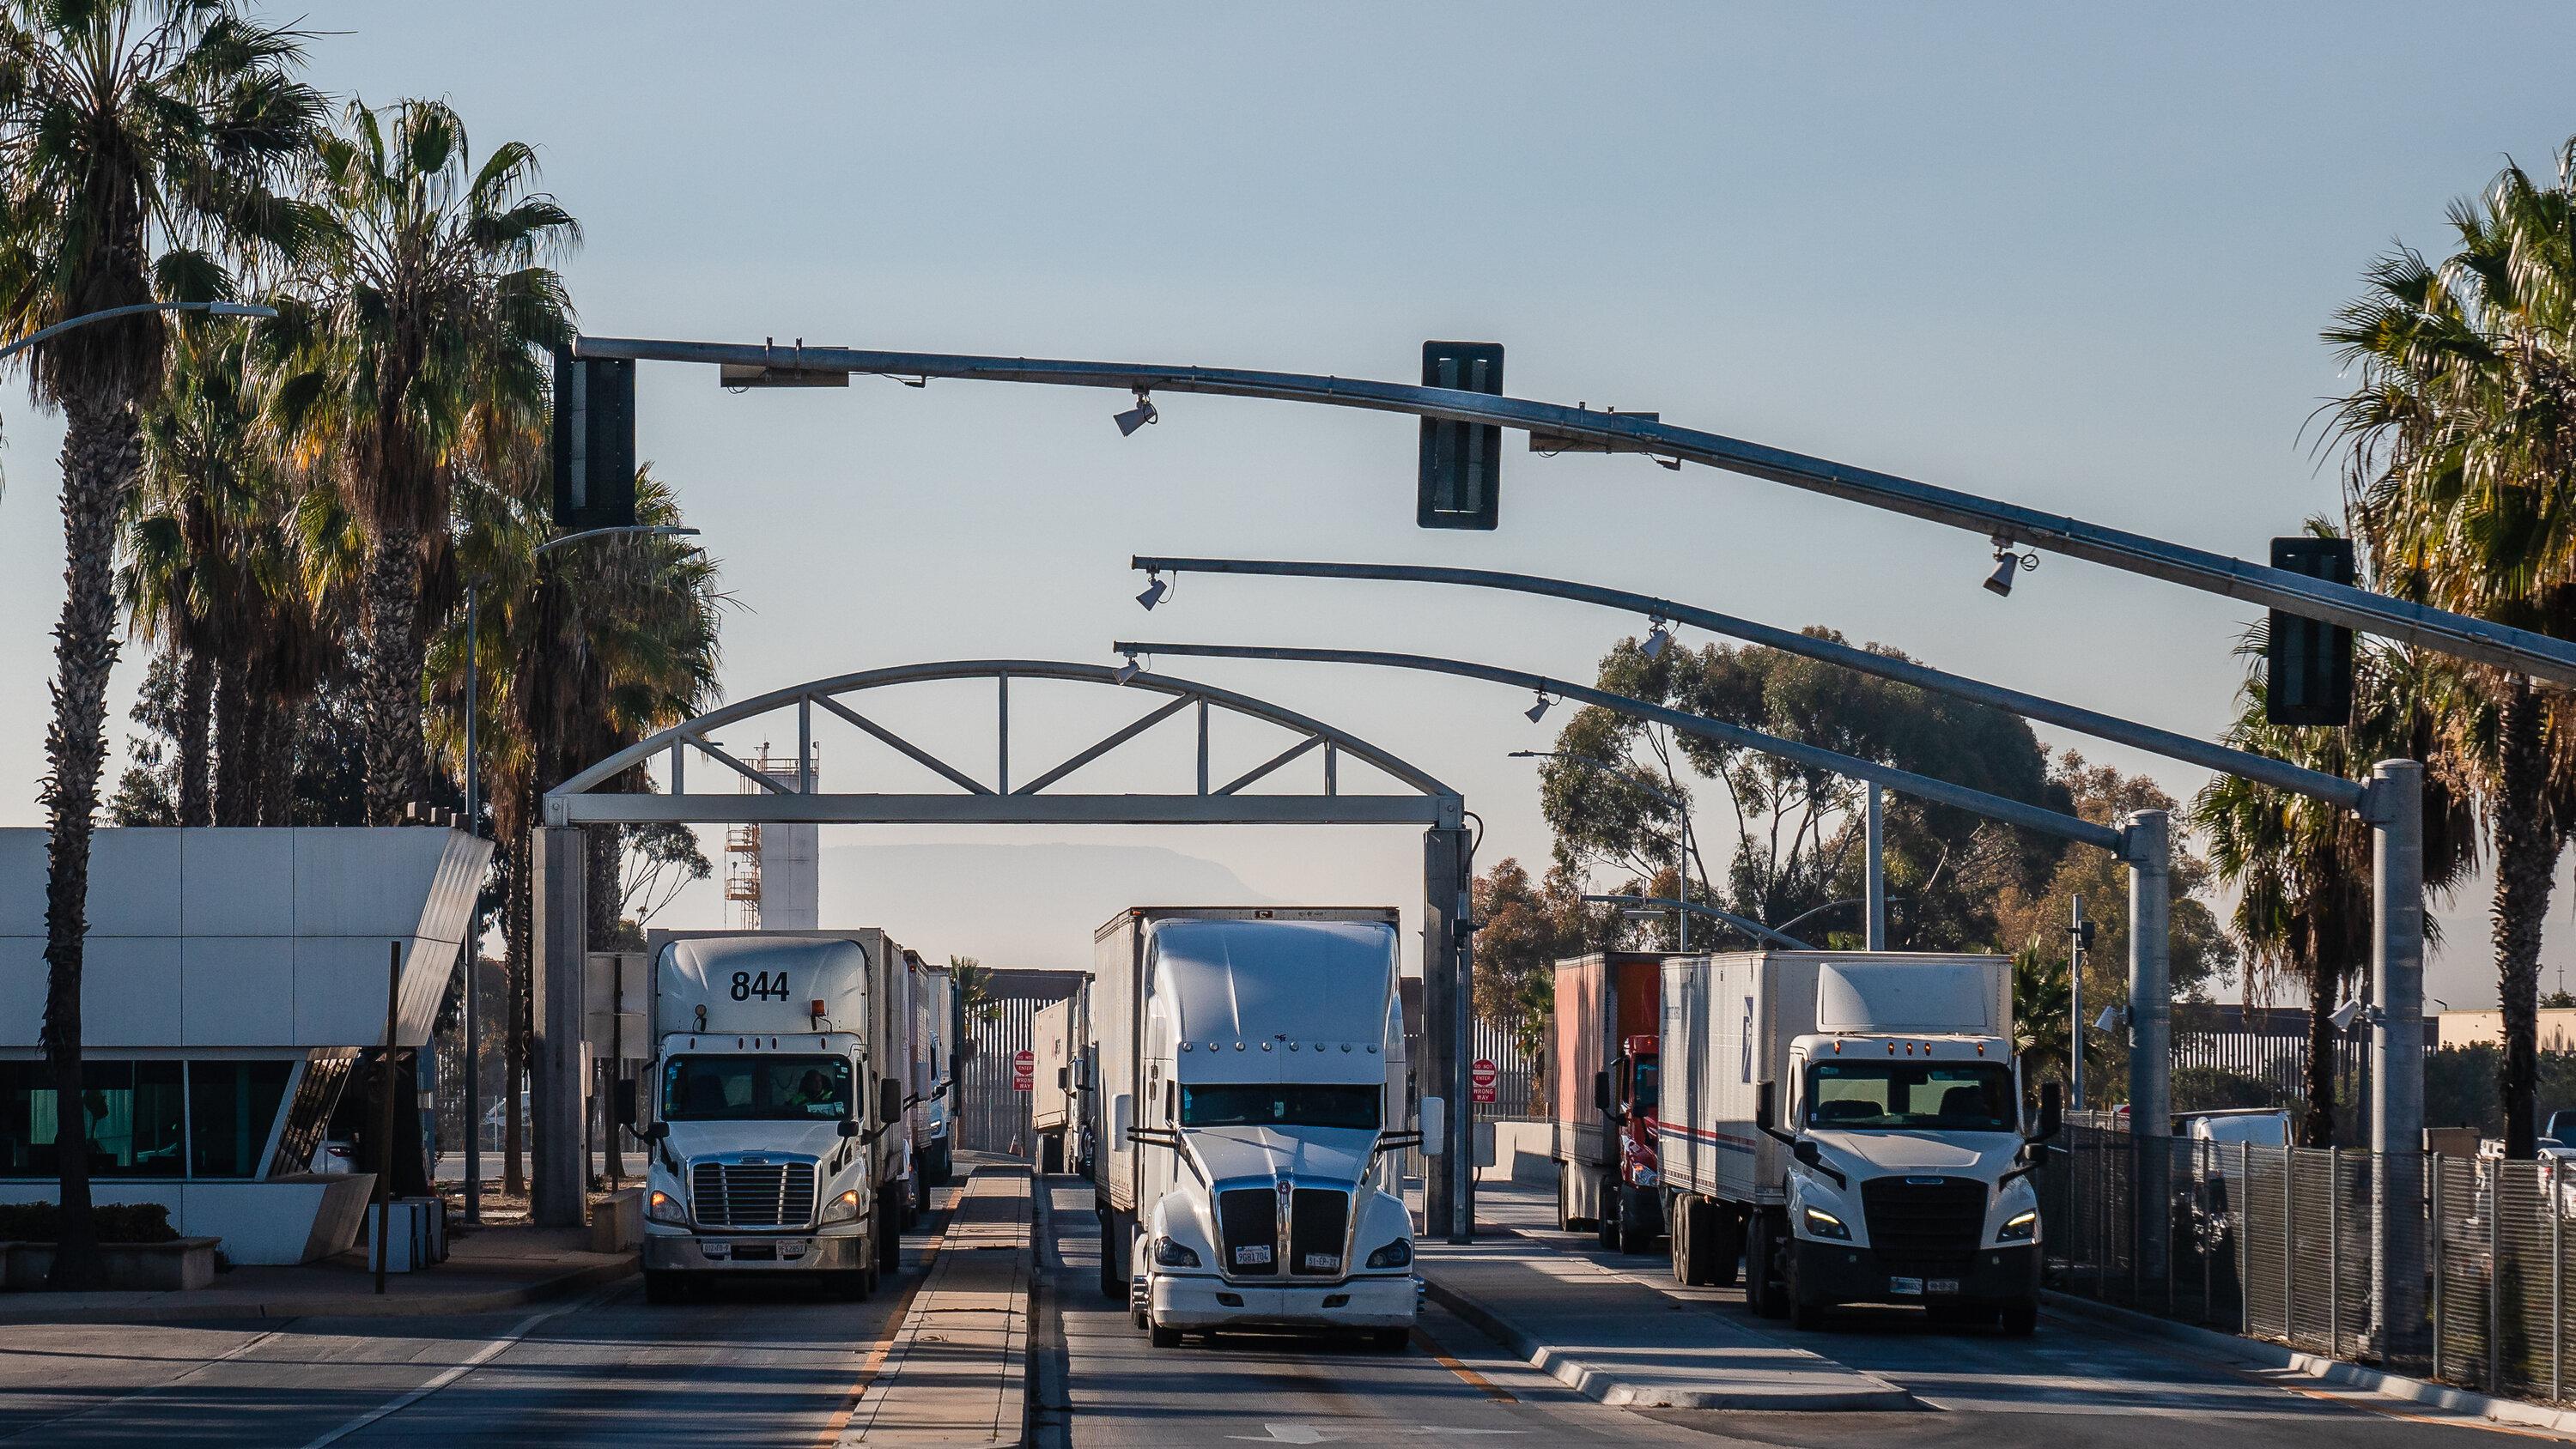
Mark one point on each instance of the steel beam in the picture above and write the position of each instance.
(1903, 782)
(2397, 1062)
(1746, 924)
(556, 1193)
(2260, 768)
(961, 809)
(2457, 634)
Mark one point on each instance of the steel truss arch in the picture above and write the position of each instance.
(581, 800)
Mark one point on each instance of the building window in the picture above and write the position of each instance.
(231, 1106)
(136, 1118)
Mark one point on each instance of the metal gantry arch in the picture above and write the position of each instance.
(993, 794)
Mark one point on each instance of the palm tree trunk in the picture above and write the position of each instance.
(2526, 861)
(196, 704)
(274, 789)
(234, 755)
(102, 448)
(389, 683)
(2317, 1124)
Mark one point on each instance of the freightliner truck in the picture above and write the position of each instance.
(1254, 1092)
(1852, 1125)
(1601, 1051)
(775, 1116)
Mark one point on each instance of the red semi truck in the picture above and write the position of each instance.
(1601, 1047)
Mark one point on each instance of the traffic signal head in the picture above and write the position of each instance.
(594, 442)
(2307, 663)
(1461, 476)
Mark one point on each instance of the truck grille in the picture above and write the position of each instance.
(1319, 1221)
(1930, 1224)
(754, 1195)
(1247, 1225)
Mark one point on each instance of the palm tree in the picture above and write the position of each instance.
(139, 145)
(2302, 867)
(2460, 442)
(424, 351)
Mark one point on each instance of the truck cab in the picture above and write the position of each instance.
(1635, 1219)
(765, 1121)
(1908, 1178)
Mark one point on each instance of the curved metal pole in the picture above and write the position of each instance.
(2279, 774)
(217, 309)
(1820, 910)
(1746, 924)
(655, 530)
(2518, 649)
(1904, 782)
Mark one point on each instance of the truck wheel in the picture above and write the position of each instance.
(850, 1285)
(1696, 1239)
(2021, 1319)
(1608, 1222)
(1726, 1245)
(1113, 1283)
(1162, 1337)
(1806, 1310)
(1763, 1290)
(889, 1238)
(1390, 1340)
(1564, 1199)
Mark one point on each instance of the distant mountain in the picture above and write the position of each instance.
(1013, 905)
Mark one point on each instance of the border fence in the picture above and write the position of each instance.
(2274, 1243)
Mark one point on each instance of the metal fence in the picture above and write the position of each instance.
(2275, 1243)
(990, 1114)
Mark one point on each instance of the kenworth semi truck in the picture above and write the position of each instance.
(1851, 1124)
(774, 1117)
(1253, 1094)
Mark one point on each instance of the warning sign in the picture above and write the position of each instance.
(1481, 1077)
(1024, 1071)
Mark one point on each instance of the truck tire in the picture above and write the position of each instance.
(850, 1285)
(1113, 1283)
(1632, 1210)
(1565, 1219)
(889, 1229)
(1764, 1293)
(1696, 1241)
(1162, 1337)
(1608, 1222)
(2021, 1319)
(1726, 1245)
(1806, 1310)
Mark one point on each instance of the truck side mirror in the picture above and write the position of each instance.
(849, 1127)
(1435, 1126)
(1122, 1118)
(1807, 1152)
(1600, 1091)
(655, 1131)
(889, 1100)
(626, 1104)
(1063, 1078)
(2052, 1111)
(1766, 1106)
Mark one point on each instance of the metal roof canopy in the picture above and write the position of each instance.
(581, 800)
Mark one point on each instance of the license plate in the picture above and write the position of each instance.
(1905, 1287)
(1941, 1285)
(1252, 1253)
(1323, 1262)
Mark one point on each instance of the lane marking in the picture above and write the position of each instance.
(150, 1389)
(1474, 1380)
(491, 1349)
(839, 1423)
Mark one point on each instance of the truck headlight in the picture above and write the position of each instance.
(843, 1208)
(661, 1207)
(1398, 1254)
(1823, 1224)
(1169, 1254)
(1645, 1177)
(2020, 1229)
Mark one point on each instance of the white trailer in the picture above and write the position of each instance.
(1252, 1089)
(933, 1049)
(773, 1114)
(1893, 1167)
(1057, 1048)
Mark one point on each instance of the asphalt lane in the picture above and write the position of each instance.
(765, 1364)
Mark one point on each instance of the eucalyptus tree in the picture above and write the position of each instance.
(142, 146)
(2459, 440)
(416, 344)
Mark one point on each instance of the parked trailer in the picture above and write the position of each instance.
(1056, 1087)
(1252, 1097)
(1851, 1123)
(1601, 1052)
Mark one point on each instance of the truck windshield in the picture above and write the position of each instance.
(1930, 1096)
(1280, 1104)
(755, 1089)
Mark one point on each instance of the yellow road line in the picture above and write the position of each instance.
(1473, 1379)
(840, 1421)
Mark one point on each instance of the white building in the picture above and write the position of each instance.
(229, 980)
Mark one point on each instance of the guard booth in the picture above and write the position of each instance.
(230, 980)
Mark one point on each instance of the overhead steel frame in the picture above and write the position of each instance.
(995, 799)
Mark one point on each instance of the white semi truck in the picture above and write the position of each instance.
(1252, 1091)
(1057, 1052)
(1851, 1124)
(774, 1111)
(933, 1049)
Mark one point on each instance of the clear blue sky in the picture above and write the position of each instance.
(2072, 258)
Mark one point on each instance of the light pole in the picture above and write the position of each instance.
(1746, 924)
(212, 309)
(474, 824)
(1684, 844)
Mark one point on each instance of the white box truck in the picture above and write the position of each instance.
(933, 1072)
(1852, 1124)
(772, 1118)
(1252, 1091)
(1056, 1049)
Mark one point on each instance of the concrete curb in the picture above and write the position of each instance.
(1609, 1388)
(2319, 1369)
(30, 1309)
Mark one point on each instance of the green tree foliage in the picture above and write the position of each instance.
(1523, 928)
(974, 988)
(2459, 439)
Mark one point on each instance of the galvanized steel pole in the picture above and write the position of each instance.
(1875, 932)
(2148, 849)
(2396, 813)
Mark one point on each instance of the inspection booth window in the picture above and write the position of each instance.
(139, 1117)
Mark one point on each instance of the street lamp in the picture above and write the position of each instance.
(213, 309)
(1684, 844)
(474, 824)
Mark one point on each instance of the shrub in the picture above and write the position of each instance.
(118, 1222)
